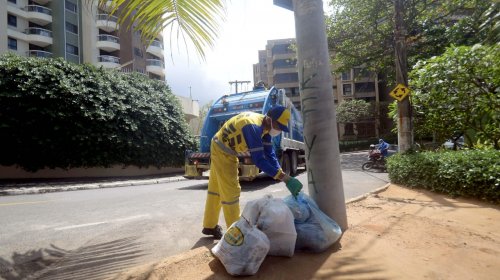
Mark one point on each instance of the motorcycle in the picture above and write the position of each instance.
(375, 159)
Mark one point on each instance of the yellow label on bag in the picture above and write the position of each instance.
(234, 236)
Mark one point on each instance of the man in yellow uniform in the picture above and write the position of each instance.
(245, 132)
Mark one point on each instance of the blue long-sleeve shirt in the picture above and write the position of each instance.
(261, 149)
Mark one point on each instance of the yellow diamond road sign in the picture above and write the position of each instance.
(400, 92)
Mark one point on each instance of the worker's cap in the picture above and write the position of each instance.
(281, 115)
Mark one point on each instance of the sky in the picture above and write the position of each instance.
(248, 26)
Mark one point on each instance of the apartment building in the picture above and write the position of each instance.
(79, 32)
(358, 83)
(278, 66)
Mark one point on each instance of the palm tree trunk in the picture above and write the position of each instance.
(320, 124)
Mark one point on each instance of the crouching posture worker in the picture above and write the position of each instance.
(245, 132)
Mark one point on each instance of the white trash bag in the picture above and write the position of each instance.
(315, 230)
(273, 217)
(242, 249)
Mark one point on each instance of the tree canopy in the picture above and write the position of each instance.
(459, 93)
(194, 21)
(361, 32)
(351, 111)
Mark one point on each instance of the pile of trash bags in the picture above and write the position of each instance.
(277, 227)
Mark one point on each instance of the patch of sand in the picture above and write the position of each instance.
(396, 234)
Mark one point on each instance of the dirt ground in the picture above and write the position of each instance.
(396, 234)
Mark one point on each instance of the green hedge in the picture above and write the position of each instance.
(467, 173)
(362, 144)
(58, 114)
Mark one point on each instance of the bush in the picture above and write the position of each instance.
(58, 114)
(354, 145)
(467, 173)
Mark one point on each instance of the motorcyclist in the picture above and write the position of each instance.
(383, 147)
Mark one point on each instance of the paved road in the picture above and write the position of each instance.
(94, 234)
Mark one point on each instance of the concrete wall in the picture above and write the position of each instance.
(11, 172)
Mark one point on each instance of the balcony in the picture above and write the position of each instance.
(42, 2)
(156, 48)
(288, 55)
(285, 70)
(38, 53)
(108, 43)
(39, 36)
(287, 84)
(107, 23)
(365, 94)
(38, 14)
(155, 66)
(190, 107)
(108, 61)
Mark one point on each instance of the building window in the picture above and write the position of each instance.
(286, 78)
(13, 1)
(365, 129)
(361, 73)
(71, 27)
(70, 6)
(138, 52)
(364, 87)
(347, 89)
(71, 49)
(348, 129)
(12, 44)
(12, 20)
(282, 49)
(346, 76)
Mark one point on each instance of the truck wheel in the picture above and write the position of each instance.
(285, 163)
(293, 163)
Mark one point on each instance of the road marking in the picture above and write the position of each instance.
(81, 225)
(21, 203)
(103, 222)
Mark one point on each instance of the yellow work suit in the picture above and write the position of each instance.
(223, 186)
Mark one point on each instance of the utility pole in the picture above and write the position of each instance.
(236, 82)
(324, 174)
(405, 129)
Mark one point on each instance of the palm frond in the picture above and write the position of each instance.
(196, 20)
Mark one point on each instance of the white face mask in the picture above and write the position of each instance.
(274, 132)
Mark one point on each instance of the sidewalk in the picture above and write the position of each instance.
(396, 234)
(52, 185)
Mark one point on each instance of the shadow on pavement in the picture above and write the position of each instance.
(301, 266)
(202, 186)
(261, 182)
(96, 261)
(208, 242)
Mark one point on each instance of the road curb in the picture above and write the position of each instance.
(90, 186)
(361, 197)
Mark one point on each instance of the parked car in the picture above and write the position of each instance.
(449, 143)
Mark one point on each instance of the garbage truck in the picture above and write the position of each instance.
(289, 146)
